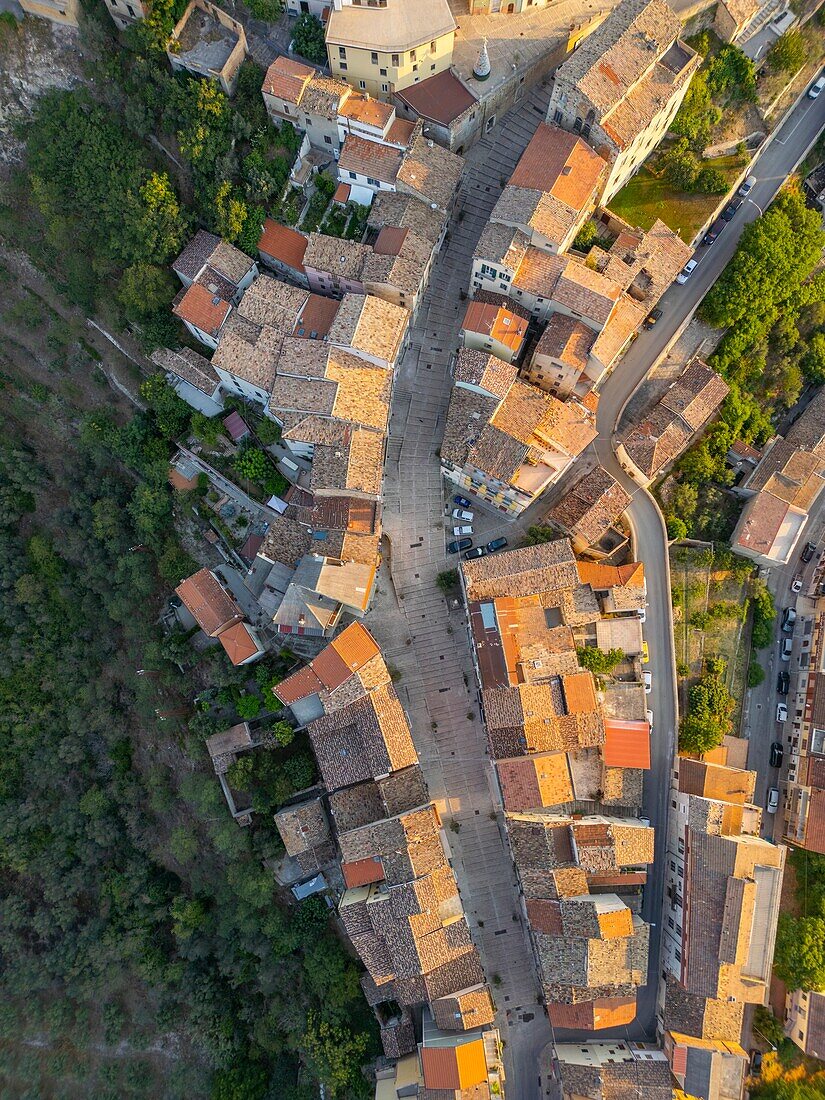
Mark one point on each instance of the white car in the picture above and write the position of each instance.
(643, 614)
(687, 271)
(460, 532)
(650, 720)
(787, 649)
(747, 186)
(647, 678)
(815, 89)
(463, 514)
(796, 583)
(781, 712)
(773, 800)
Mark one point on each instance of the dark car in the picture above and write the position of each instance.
(496, 544)
(714, 231)
(809, 551)
(729, 212)
(756, 1063)
(476, 552)
(783, 683)
(652, 318)
(462, 502)
(459, 544)
(777, 752)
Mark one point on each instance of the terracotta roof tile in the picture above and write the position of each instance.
(626, 744)
(209, 603)
(282, 243)
(368, 158)
(238, 643)
(203, 310)
(287, 79)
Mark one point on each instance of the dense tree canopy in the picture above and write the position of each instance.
(710, 706)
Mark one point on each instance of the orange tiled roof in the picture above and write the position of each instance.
(238, 643)
(579, 693)
(496, 322)
(283, 243)
(355, 646)
(361, 872)
(626, 744)
(561, 164)
(287, 79)
(210, 605)
(203, 310)
(458, 1067)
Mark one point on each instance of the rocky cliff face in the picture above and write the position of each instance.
(35, 57)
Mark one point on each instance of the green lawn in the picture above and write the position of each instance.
(647, 197)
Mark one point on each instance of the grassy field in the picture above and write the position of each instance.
(710, 609)
(647, 197)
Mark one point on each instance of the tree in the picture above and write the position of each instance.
(248, 706)
(537, 535)
(145, 289)
(710, 181)
(681, 166)
(789, 53)
(308, 36)
(710, 705)
(253, 464)
(799, 959)
(764, 614)
(335, 1053)
(697, 115)
(170, 411)
(813, 361)
(599, 662)
(447, 579)
(676, 528)
(756, 674)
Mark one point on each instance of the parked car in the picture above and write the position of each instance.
(496, 544)
(462, 513)
(747, 187)
(781, 712)
(645, 653)
(787, 649)
(756, 1063)
(647, 678)
(784, 684)
(650, 720)
(652, 318)
(687, 271)
(796, 583)
(642, 613)
(773, 800)
(788, 619)
(714, 231)
(462, 502)
(777, 753)
(820, 588)
(809, 551)
(458, 545)
(460, 532)
(815, 89)
(729, 213)
(476, 552)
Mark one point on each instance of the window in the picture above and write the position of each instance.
(670, 922)
(412, 55)
(432, 68)
(432, 46)
(353, 176)
(672, 865)
(577, 125)
(557, 115)
(328, 139)
(489, 124)
(385, 87)
(362, 84)
(678, 955)
(343, 66)
(342, 52)
(415, 68)
(374, 57)
(383, 72)
(395, 60)
(372, 182)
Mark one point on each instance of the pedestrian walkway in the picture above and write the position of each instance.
(426, 640)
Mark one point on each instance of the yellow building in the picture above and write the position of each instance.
(380, 46)
(58, 11)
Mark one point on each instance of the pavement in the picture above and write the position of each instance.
(424, 635)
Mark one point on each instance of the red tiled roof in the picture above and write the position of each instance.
(316, 317)
(238, 643)
(560, 164)
(284, 244)
(626, 744)
(203, 310)
(368, 158)
(342, 193)
(593, 1015)
(815, 824)
(457, 1067)
(544, 916)
(441, 98)
(361, 872)
(286, 79)
(389, 240)
(211, 606)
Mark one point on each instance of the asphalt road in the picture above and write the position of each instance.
(771, 169)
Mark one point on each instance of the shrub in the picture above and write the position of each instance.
(788, 53)
(308, 35)
(447, 580)
(597, 661)
(756, 674)
(710, 181)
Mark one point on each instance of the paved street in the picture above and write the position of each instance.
(427, 642)
(439, 688)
